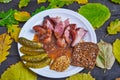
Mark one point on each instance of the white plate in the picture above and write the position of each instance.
(74, 17)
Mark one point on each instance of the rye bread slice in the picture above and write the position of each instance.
(84, 55)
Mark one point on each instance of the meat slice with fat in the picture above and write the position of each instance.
(60, 27)
(47, 23)
(67, 35)
(78, 35)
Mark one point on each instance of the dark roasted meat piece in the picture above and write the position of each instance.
(66, 22)
(39, 29)
(56, 20)
(47, 36)
(48, 23)
(59, 29)
(73, 26)
(78, 35)
(67, 35)
(61, 42)
(43, 34)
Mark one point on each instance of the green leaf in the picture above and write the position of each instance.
(116, 49)
(5, 45)
(96, 13)
(5, 1)
(114, 27)
(81, 76)
(18, 72)
(42, 8)
(22, 16)
(23, 3)
(116, 1)
(60, 3)
(7, 17)
(105, 57)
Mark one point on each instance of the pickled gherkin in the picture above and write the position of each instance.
(36, 58)
(40, 64)
(29, 43)
(31, 51)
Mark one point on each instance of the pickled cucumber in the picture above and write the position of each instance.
(36, 58)
(40, 64)
(29, 43)
(31, 51)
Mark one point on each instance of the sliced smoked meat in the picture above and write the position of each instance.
(78, 35)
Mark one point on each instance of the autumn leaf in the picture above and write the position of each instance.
(23, 3)
(42, 8)
(38, 10)
(18, 72)
(60, 3)
(114, 27)
(116, 1)
(14, 30)
(97, 14)
(81, 76)
(105, 57)
(82, 1)
(116, 49)
(22, 16)
(7, 17)
(5, 1)
(41, 1)
(5, 45)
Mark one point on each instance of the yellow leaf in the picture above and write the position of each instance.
(18, 72)
(41, 1)
(82, 1)
(116, 49)
(14, 31)
(81, 76)
(23, 3)
(22, 16)
(5, 41)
